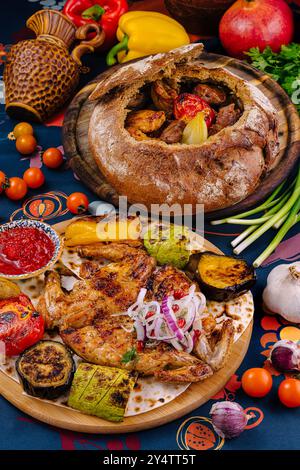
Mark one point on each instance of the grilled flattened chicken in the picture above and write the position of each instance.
(89, 323)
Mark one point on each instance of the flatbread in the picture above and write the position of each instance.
(148, 393)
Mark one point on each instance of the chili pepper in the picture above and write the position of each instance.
(141, 33)
(20, 325)
(106, 13)
(188, 105)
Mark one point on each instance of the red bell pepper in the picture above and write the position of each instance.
(105, 13)
(20, 325)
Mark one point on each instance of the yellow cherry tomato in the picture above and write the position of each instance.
(23, 128)
(26, 144)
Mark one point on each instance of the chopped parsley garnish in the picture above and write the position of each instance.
(129, 356)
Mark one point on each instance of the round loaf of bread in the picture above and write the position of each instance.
(222, 171)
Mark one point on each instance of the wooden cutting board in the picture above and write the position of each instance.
(76, 123)
(192, 398)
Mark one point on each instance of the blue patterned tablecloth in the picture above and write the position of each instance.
(272, 426)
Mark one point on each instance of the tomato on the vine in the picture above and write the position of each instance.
(34, 178)
(257, 382)
(77, 203)
(17, 188)
(289, 392)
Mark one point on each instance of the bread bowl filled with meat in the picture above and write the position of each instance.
(166, 129)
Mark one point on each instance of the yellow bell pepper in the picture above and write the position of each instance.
(142, 33)
(86, 232)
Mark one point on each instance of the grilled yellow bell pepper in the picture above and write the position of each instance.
(86, 232)
(142, 33)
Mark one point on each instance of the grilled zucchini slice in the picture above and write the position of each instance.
(223, 278)
(46, 369)
(101, 391)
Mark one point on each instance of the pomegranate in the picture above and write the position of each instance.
(256, 23)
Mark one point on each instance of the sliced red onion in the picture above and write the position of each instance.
(228, 419)
(163, 324)
(190, 343)
(171, 319)
(139, 301)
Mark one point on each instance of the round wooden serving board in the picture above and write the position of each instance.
(77, 118)
(192, 398)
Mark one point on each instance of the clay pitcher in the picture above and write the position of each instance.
(41, 74)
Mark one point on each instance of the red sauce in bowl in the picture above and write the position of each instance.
(24, 250)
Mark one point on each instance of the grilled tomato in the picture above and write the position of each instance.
(20, 325)
(188, 105)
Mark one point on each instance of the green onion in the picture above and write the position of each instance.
(279, 211)
(267, 204)
(276, 217)
(290, 221)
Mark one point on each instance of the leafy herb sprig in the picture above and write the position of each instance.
(284, 67)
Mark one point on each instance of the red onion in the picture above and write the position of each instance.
(285, 356)
(171, 319)
(228, 419)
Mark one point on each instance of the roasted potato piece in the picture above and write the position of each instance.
(163, 93)
(137, 134)
(145, 120)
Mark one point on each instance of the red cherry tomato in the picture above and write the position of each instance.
(289, 393)
(77, 203)
(188, 105)
(34, 178)
(53, 158)
(257, 382)
(17, 188)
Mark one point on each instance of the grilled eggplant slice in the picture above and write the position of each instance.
(223, 278)
(101, 391)
(46, 369)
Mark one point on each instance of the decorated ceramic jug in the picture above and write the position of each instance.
(41, 74)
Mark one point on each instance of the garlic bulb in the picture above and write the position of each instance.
(228, 419)
(282, 293)
(285, 356)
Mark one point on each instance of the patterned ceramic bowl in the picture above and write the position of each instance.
(48, 231)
